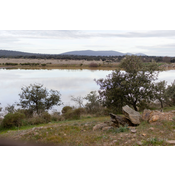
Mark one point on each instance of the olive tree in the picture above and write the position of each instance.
(38, 99)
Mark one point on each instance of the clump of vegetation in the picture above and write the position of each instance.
(46, 116)
(66, 109)
(120, 129)
(93, 64)
(73, 114)
(43, 64)
(34, 121)
(129, 88)
(38, 99)
(12, 120)
(11, 64)
(154, 141)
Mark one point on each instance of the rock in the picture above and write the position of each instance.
(117, 120)
(132, 115)
(151, 128)
(170, 141)
(106, 128)
(154, 116)
(114, 141)
(146, 114)
(139, 143)
(133, 130)
(99, 126)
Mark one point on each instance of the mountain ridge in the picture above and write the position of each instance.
(80, 53)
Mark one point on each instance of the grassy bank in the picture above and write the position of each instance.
(80, 133)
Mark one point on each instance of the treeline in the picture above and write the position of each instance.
(91, 58)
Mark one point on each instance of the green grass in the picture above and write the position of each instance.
(80, 133)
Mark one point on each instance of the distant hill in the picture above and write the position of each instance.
(82, 52)
(100, 53)
(94, 53)
(14, 53)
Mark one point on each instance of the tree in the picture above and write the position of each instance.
(132, 87)
(160, 92)
(170, 93)
(93, 104)
(78, 100)
(38, 99)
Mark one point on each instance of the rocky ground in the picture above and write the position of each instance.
(82, 133)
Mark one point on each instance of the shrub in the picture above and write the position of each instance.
(11, 120)
(34, 121)
(27, 112)
(46, 116)
(73, 114)
(66, 109)
(93, 65)
(43, 64)
(57, 117)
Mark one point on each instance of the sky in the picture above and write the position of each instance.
(149, 42)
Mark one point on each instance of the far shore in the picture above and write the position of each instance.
(57, 64)
(19, 63)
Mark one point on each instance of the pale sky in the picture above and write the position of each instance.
(149, 42)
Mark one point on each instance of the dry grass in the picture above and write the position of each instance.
(55, 63)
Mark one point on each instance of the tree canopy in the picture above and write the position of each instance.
(37, 98)
(133, 87)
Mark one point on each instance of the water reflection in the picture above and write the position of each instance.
(67, 81)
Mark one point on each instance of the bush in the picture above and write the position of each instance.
(27, 112)
(11, 120)
(46, 116)
(34, 121)
(93, 65)
(56, 117)
(66, 109)
(73, 114)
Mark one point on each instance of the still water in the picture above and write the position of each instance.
(67, 82)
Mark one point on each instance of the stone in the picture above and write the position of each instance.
(133, 130)
(99, 126)
(146, 114)
(114, 141)
(118, 121)
(155, 116)
(151, 128)
(170, 141)
(139, 143)
(106, 128)
(132, 115)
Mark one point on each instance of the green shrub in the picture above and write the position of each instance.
(1, 119)
(66, 109)
(43, 64)
(27, 112)
(120, 129)
(73, 114)
(11, 120)
(56, 117)
(46, 116)
(34, 121)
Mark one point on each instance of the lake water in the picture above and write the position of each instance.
(67, 82)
